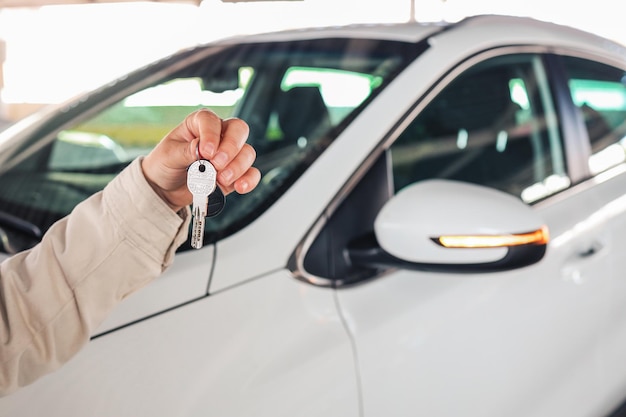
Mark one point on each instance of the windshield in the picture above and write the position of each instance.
(296, 97)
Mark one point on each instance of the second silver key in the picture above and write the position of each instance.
(201, 180)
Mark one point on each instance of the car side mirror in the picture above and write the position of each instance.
(453, 226)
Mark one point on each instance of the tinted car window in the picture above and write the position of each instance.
(494, 125)
(296, 97)
(599, 93)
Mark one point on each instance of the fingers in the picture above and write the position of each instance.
(223, 142)
(232, 140)
(235, 166)
(248, 181)
(205, 126)
(220, 140)
(202, 134)
(240, 175)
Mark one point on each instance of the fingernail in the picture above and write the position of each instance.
(210, 150)
(220, 159)
(226, 175)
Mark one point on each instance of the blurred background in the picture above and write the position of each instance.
(50, 53)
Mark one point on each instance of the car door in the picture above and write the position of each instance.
(520, 342)
(272, 347)
(597, 92)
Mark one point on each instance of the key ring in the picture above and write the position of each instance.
(202, 168)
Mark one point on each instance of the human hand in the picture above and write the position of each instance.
(221, 141)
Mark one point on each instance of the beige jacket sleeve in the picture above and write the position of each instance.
(53, 296)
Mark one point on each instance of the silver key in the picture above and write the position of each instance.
(201, 178)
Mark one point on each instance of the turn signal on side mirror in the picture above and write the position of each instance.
(537, 237)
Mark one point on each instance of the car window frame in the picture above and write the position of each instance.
(573, 139)
(581, 143)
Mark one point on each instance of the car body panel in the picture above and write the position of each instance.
(434, 334)
(608, 196)
(235, 353)
(186, 280)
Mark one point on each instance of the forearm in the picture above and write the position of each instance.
(53, 296)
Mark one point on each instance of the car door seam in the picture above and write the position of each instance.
(355, 353)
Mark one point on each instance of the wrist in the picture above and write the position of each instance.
(160, 192)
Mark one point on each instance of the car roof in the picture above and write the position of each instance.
(501, 28)
(407, 32)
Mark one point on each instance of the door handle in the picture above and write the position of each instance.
(574, 269)
(591, 249)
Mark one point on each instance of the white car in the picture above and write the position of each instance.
(439, 231)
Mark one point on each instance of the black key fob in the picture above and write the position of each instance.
(217, 200)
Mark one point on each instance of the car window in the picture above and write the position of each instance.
(134, 125)
(295, 96)
(493, 125)
(311, 100)
(599, 93)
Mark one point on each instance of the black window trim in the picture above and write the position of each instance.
(575, 139)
